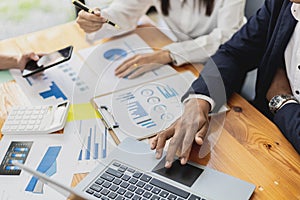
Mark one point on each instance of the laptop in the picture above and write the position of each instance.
(131, 171)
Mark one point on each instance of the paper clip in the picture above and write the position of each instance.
(115, 123)
(107, 124)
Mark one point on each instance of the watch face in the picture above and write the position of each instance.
(276, 101)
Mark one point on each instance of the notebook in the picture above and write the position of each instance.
(132, 172)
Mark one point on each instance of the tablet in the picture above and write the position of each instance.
(47, 61)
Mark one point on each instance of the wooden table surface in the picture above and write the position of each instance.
(250, 147)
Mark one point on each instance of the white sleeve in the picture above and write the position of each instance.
(203, 97)
(124, 14)
(230, 19)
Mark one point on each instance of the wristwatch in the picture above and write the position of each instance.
(279, 100)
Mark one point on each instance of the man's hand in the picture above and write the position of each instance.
(25, 58)
(90, 22)
(279, 85)
(139, 64)
(192, 125)
(15, 61)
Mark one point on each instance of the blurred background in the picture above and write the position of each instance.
(19, 17)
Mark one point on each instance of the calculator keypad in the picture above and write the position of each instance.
(24, 119)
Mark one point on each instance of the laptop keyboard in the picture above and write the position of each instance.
(120, 182)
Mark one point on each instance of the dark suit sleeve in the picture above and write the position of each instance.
(288, 121)
(225, 71)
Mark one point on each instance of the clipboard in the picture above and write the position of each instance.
(143, 110)
(106, 122)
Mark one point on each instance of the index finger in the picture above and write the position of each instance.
(174, 144)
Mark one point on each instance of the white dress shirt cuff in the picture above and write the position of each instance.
(288, 102)
(201, 96)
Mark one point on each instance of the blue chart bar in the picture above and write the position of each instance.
(54, 91)
(136, 110)
(80, 155)
(126, 97)
(88, 149)
(18, 149)
(148, 123)
(139, 114)
(167, 91)
(46, 166)
(90, 146)
(96, 146)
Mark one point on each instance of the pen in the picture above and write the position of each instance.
(87, 9)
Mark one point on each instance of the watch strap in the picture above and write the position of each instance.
(279, 101)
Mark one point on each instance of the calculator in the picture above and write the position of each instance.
(36, 119)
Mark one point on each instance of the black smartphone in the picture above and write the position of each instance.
(47, 61)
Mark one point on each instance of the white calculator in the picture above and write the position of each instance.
(36, 119)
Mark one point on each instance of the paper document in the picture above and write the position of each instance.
(106, 57)
(54, 155)
(93, 146)
(145, 109)
(58, 83)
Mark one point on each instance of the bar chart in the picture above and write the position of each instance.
(46, 166)
(17, 151)
(91, 141)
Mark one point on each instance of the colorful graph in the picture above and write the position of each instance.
(167, 91)
(91, 143)
(58, 82)
(17, 151)
(147, 105)
(53, 92)
(136, 111)
(114, 54)
(46, 166)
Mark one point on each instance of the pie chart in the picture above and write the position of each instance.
(114, 54)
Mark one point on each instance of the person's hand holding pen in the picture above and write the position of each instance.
(90, 22)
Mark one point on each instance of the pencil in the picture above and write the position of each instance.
(87, 9)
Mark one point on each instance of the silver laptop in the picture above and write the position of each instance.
(132, 172)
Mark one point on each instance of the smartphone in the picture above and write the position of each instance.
(47, 61)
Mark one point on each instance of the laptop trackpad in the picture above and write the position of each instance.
(184, 174)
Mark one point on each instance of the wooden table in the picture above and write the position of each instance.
(250, 147)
